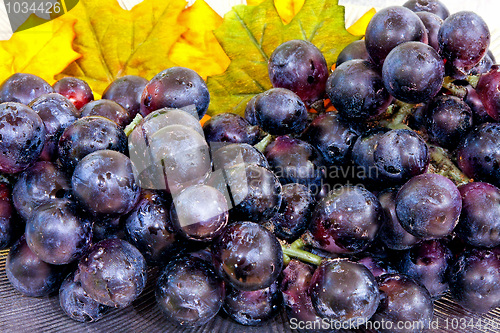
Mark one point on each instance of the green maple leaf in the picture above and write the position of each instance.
(249, 35)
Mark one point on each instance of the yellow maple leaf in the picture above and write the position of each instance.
(198, 48)
(115, 42)
(287, 9)
(44, 50)
(358, 28)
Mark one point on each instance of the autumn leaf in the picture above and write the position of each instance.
(359, 27)
(44, 50)
(115, 42)
(198, 48)
(287, 9)
(249, 35)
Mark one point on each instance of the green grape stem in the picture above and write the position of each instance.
(133, 124)
(444, 165)
(262, 144)
(300, 254)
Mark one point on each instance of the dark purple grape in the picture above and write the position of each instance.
(77, 304)
(250, 110)
(399, 155)
(9, 221)
(199, 213)
(428, 263)
(488, 91)
(413, 72)
(230, 127)
(346, 220)
(344, 291)
(57, 113)
(362, 155)
(478, 155)
(355, 50)
(448, 120)
(237, 153)
(402, 300)
(356, 90)
(127, 92)
(172, 157)
(87, 135)
(28, 274)
(23, 88)
(296, 161)
(392, 234)
(299, 66)
(104, 183)
(108, 109)
(474, 280)
(189, 292)
(41, 183)
(479, 113)
(150, 230)
(390, 27)
(428, 206)
(22, 137)
(113, 273)
(430, 6)
(57, 234)
(253, 307)
(294, 214)
(479, 223)
(463, 39)
(432, 24)
(108, 227)
(74, 89)
(377, 266)
(248, 256)
(332, 138)
(484, 66)
(176, 87)
(280, 111)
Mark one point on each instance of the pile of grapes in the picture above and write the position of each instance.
(350, 197)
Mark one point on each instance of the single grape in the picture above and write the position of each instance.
(413, 72)
(474, 280)
(57, 233)
(430, 6)
(199, 213)
(488, 91)
(77, 304)
(23, 88)
(432, 24)
(113, 273)
(390, 27)
(57, 113)
(479, 113)
(74, 89)
(428, 206)
(41, 183)
(293, 216)
(230, 127)
(356, 90)
(87, 135)
(253, 307)
(345, 291)
(104, 183)
(28, 274)
(108, 109)
(428, 263)
(9, 221)
(250, 115)
(403, 300)
(354, 50)
(449, 119)
(280, 111)
(332, 138)
(346, 220)
(392, 234)
(479, 223)
(363, 155)
(176, 87)
(299, 66)
(233, 154)
(248, 256)
(399, 155)
(22, 137)
(189, 292)
(296, 161)
(463, 39)
(127, 92)
(150, 230)
(478, 155)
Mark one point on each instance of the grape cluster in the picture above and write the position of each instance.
(355, 196)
